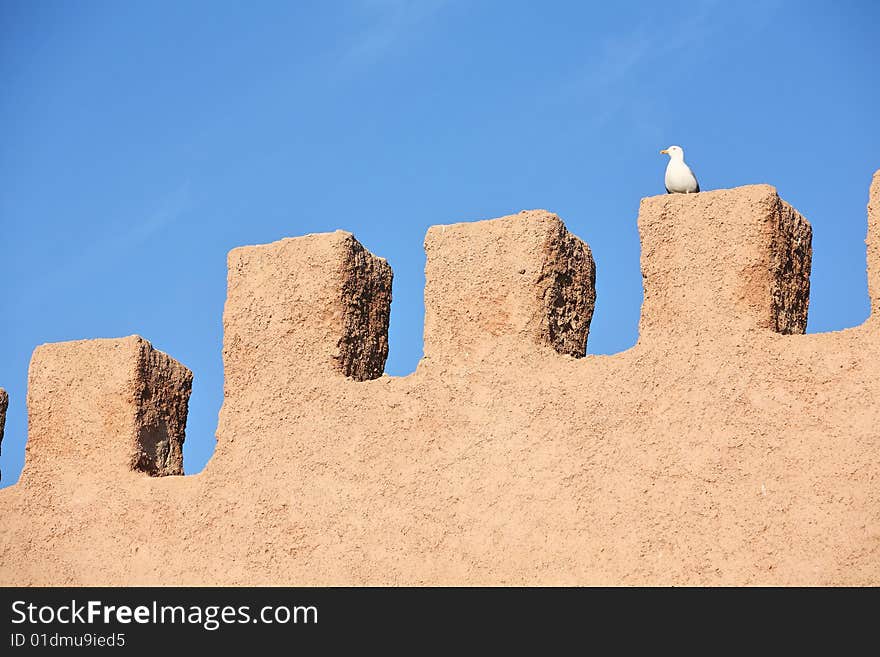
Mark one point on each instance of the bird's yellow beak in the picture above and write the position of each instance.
(664, 152)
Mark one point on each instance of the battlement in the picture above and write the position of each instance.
(508, 456)
(105, 406)
(518, 282)
(307, 306)
(731, 260)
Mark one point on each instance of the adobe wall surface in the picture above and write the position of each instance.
(726, 447)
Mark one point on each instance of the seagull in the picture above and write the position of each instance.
(679, 177)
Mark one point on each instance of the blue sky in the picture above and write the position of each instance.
(140, 141)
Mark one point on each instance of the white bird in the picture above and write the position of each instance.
(679, 177)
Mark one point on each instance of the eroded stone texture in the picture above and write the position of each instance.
(791, 256)
(516, 282)
(101, 408)
(366, 300)
(725, 261)
(162, 390)
(567, 289)
(4, 404)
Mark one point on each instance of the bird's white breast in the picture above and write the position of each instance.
(680, 178)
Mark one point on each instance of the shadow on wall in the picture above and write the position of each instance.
(4, 404)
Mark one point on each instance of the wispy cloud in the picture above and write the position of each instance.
(118, 243)
(620, 56)
(610, 79)
(167, 210)
(389, 24)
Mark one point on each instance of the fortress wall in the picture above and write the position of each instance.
(502, 459)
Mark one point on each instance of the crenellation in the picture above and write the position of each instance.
(519, 283)
(728, 262)
(103, 408)
(307, 305)
(720, 450)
